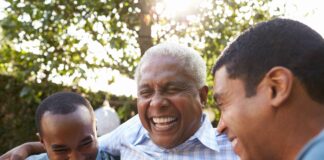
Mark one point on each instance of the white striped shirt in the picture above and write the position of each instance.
(131, 141)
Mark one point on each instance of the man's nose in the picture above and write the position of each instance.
(158, 101)
(76, 156)
(221, 127)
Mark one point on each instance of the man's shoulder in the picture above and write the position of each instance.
(128, 132)
(103, 155)
(313, 149)
(133, 123)
(42, 156)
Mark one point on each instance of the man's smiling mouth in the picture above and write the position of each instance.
(234, 142)
(163, 123)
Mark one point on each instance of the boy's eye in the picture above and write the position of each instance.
(61, 150)
(86, 143)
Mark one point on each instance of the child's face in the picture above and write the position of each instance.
(70, 136)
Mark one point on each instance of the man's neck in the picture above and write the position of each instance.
(306, 123)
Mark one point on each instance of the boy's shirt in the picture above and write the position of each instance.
(102, 155)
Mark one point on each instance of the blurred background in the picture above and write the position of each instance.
(93, 46)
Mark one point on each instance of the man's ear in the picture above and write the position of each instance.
(95, 126)
(203, 92)
(280, 81)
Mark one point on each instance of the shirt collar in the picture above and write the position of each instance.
(98, 154)
(137, 132)
(206, 134)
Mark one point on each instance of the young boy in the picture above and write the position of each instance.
(66, 128)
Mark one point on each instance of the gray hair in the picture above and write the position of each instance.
(188, 58)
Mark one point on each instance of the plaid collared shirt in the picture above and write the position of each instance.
(131, 141)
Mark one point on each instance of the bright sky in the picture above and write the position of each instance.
(309, 12)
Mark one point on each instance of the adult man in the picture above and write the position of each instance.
(170, 125)
(66, 128)
(269, 87)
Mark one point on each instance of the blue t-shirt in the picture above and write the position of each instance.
(314, 149)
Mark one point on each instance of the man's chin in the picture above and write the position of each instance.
(243, 155)
(238, 149)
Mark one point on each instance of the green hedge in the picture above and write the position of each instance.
(18, 103)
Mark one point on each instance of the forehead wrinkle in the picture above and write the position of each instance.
(163, 84)
(161, 77)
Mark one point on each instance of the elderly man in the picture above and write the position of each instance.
(170, 124)
(269, 87)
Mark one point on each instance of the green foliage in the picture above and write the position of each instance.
(59, 33)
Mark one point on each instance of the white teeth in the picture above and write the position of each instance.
(234, 142)
(163, 119)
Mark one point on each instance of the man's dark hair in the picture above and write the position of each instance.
(278, 42)
(61, 103)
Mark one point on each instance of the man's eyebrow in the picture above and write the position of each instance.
(143, 86)
(178, 83)
(217, 96)
(58, 147)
